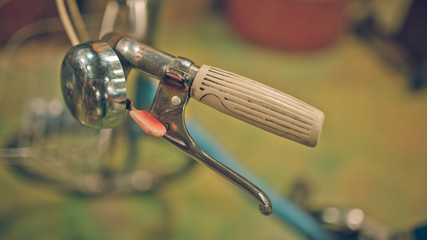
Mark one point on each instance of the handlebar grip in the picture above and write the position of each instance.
(258, 104)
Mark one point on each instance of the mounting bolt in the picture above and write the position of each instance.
(175, 100)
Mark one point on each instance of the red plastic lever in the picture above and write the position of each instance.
(147, 122)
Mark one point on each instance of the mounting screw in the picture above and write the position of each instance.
(175, 100)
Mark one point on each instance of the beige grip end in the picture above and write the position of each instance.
(258, 104)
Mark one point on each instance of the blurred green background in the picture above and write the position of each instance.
(372, 153)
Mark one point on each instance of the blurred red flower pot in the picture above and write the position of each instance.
(294, 25)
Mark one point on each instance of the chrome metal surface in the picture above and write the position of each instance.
(172, 115)
(174, 70)
(142, 56)
(93, 85)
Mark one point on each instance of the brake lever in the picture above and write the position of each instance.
(169, 108)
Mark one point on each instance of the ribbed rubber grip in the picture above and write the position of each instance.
(258, 104)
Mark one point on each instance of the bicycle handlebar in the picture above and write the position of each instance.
(258, 105)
